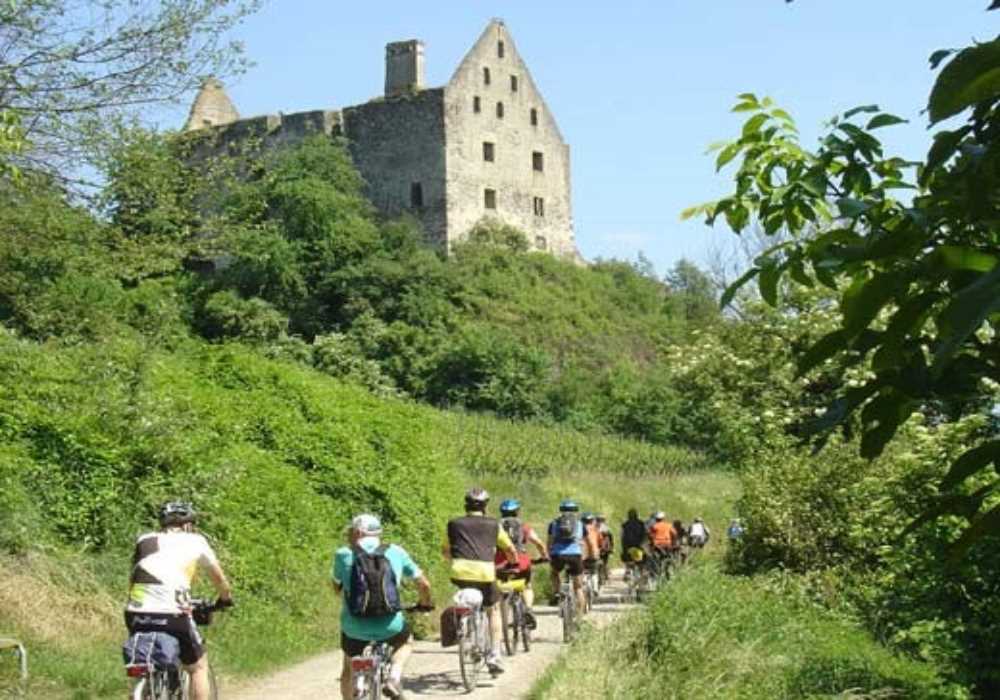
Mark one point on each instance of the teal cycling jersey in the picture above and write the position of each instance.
(376, 629)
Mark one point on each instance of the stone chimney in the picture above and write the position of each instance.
(404, 67)
(211, 107)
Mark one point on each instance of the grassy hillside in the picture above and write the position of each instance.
(278, 456)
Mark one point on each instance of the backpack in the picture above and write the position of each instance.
(374, 592)
(566, 527)
(697, 534)
(514, 530)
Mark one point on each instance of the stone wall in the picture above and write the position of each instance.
(398, 144)
(515, 136)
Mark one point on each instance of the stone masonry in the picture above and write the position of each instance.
(485, 146)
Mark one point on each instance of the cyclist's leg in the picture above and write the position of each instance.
(350, 647)
(402, 648)
(555, 569)
(529, 593)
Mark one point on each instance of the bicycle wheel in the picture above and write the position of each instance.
(143, 690)
(509, 644)
(521, 624)
(468, 653)
(567, 610)
(184, 688)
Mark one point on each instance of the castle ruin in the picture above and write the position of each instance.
(484, 146)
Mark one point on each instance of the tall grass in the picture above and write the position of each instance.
(708, 635)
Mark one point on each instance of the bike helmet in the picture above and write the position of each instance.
(588, 517)
(176, 513)
(368, 525)
(600, 518)
(698, 520)
(476, 498)
(510, 507)
(659, 515)
(568, 505)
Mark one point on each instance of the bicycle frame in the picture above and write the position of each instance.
(369, 671)
(474, 640)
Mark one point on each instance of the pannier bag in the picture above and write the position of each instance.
(449, 627)
(153, 649)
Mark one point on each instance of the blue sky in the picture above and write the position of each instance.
(639, 88)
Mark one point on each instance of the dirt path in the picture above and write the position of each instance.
(433, 671)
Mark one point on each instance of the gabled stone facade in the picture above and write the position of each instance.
(484, 146)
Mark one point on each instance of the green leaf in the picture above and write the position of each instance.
(863, 300)
(880, 120)
(961, 504)
(746, 107)
(964, 258)
(782, 115)
(972, 76)
(944, 147)
(852, 208)
(727, 296)
(939, 55)
(881, 418)
(822, 350)
(970, 462)
(964, 314)
(753, 124)
(840, 408)
(908, 320)
(727, 154)
(858, 110)
(797, 270)
(767, 282)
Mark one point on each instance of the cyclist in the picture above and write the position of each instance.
(521, 534)
(471, 546)
(735, 531)
(357, 630)
(679, 550)
(565, 543)
(661, 537)
(591, 543)
(164, 564)
(699, 534)
(635, 541)
(607, 540)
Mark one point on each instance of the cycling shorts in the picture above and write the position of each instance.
(356, 647)
(181, 627)
(491, 594)
(573, 563)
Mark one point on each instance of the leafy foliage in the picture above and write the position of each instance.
(917, 280)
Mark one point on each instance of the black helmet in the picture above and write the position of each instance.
(476, 498)
(176, 513)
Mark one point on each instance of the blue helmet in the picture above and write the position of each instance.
(510, 506)
(588, 517)
(568, 504)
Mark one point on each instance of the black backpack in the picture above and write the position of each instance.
(515, 530)
(633, 533)
(374, 591)
(566, 527)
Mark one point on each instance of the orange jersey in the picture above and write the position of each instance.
(662, 534)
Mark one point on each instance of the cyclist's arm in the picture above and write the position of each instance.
(424, 590)
(505, 545)
(446, 550)
(534, 539)
(220, 581)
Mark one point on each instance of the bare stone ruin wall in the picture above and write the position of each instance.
(397, 143)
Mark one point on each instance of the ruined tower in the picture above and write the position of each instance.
(211, 107)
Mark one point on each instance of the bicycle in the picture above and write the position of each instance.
(568, 608)
(514, 611)
(474, 638)
(153, 682)
(591, 587)
(370, 670)
(603, 572)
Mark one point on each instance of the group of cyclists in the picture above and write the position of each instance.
(657, 543)
(367, 573)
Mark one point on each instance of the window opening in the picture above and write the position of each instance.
(537, 161)
(490, 199)
(534, 117)
(541, 243)
(500, 49)
(416, 195)
(499, 110)
(486, 76)
(539, 206)
(476, 105)
(488, 151)
(513, 83)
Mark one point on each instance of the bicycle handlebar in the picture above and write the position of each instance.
(417, 607)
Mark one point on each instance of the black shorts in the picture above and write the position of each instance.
(590, 565)
(573, 563)
(356, 647)
(180, 626)
(491, 594)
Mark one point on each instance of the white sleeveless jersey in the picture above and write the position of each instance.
(163, 566)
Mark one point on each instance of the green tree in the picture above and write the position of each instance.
(917, 278)
(73, 71)
(695, 292)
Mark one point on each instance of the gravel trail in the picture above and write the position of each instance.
(432, 671)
